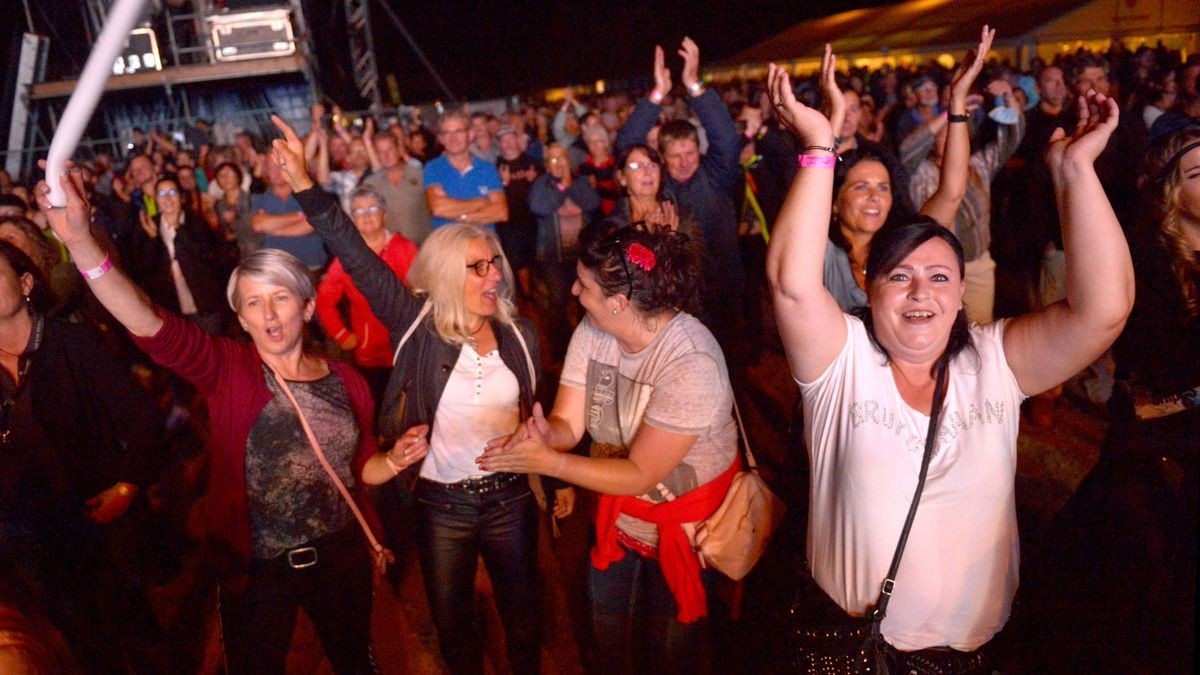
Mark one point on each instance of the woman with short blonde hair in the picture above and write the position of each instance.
(464, 372)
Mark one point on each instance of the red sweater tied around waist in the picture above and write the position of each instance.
(678, 561)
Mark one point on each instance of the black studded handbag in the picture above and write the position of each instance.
(856, 646)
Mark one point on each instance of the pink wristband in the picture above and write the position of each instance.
(99, 270)
(818, 161)
(656, 98)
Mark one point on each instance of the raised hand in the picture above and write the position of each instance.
(690, 52)
(1000, 87)
(831, 91)
(71, 223)
(1098, 116)
(809, 126)
(969, 69)
(662, 74)
(288, 153)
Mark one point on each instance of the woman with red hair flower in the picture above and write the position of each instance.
(648, 381)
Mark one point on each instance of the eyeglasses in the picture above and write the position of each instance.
(641, 166)
(370, 210)
(168, 193)
(482, 267)
(554, 160)
(453, 132)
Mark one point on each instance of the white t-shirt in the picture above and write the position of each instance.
(958, 573)
(678, 383)
(479, 403)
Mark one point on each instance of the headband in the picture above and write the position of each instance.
(1170, 165)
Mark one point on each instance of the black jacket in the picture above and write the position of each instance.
(423, 368)
(201, 258)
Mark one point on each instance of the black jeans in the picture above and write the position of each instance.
(633, 619)
(455, 529)
(336, 593)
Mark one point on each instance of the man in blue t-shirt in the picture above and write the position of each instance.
(277, 216)
(459, 186)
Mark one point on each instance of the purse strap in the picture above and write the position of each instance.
(889, 583)
(383, 556)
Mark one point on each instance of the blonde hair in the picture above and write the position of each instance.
(440, 274)
(1163, 163)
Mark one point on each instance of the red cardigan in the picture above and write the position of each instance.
(229, 375)
(374, 348)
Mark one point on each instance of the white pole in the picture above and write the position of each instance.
(121, 19)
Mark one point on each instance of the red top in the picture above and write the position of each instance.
(229, 374)
(374, 348)
(679, 563)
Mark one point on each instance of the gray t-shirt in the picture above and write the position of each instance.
(407, 210)
(678, 383)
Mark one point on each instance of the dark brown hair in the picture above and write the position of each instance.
(672, 283)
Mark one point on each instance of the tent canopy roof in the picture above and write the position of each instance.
(910, 25)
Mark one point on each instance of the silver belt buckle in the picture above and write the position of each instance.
(298, 560)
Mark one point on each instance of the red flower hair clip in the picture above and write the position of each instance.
(641, 256)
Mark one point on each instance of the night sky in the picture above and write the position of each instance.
(498, 49)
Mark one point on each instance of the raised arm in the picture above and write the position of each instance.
(369, 143)
(71, 224)
(1008, 136)
(833, 95)
(724, 144)
(645, 115)
(1047, 347)
(385, 293)
(952, 183)
(810, 321)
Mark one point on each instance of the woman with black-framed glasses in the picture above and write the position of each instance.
(464, 372)
(649, 383)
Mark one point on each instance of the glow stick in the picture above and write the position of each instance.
(121, 19)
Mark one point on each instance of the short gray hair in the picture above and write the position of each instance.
(274, 266)
(370, 193)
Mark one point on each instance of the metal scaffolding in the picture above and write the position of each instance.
(362, 51)
(188, 62)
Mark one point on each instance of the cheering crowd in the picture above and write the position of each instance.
(553, 308)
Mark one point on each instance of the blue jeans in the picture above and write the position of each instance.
(633, 617)
(455, 529)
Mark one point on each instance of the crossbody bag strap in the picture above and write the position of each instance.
(737, 415)
(408, 333)
(889, 583)
(383, 557)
